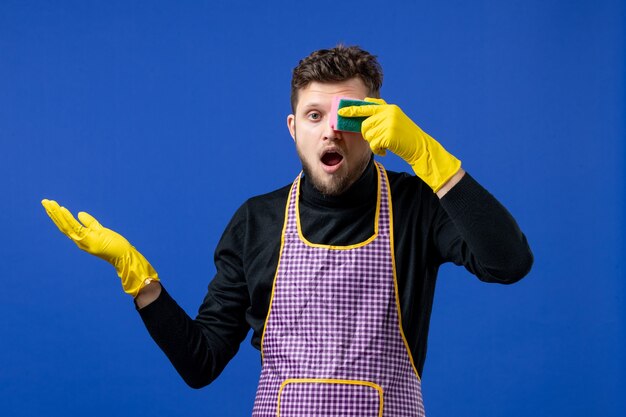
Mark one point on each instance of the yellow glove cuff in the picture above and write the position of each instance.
(435, 166)
(134, 271)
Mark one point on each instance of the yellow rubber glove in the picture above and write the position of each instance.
(133, 269)
(388, 128)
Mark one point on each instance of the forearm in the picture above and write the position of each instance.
(451, 183)
(148, 294)
(178, 336)
(492, 245)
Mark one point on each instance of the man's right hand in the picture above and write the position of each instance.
(89, 235)
(386, 127)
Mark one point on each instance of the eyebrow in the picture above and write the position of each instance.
(309, 105)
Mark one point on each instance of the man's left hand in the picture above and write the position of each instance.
(388, 128)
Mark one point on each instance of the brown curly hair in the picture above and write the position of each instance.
(334, 65)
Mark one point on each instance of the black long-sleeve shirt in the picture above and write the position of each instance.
(468, 226)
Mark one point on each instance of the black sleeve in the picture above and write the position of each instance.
(200, 348)
(476, 231)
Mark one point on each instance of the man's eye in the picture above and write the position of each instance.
(314, 116)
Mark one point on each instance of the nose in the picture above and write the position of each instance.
(330, 133)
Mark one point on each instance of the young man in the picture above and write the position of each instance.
(336, 272)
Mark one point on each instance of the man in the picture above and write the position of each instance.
(336, 272)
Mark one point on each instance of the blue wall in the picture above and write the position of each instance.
(138, 111)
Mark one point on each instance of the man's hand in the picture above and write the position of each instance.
(388, 128)
(89, 235)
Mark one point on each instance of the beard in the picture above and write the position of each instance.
(339, 182)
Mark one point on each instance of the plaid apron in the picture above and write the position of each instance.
(333, 344)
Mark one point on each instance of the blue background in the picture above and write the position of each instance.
(161, 118)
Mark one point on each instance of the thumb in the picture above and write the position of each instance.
(89, 221)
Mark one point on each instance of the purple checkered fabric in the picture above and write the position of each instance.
(332, 344)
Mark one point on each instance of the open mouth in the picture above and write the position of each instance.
(331, 158)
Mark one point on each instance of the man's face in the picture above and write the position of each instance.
(332, 160)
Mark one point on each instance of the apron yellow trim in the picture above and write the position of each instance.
(280, 254)
(395, 279)
(332, 381)
(338, 247)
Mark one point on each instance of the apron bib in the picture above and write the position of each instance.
(333, 344)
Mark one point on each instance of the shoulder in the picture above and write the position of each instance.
(272, 197)
(402, 179)
(257, 216)
(264, 208)
(263, 203)
(415, 205)
(408, 188)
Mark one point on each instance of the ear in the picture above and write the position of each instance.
(291, 125)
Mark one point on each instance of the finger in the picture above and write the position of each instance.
(77, 229)
(375, 100)
(49, 204)
(360, 111)
(373, 133)
(372, 127)
(89, 221)
(53, 211)
(377, 147)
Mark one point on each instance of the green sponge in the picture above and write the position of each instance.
(346, 124)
